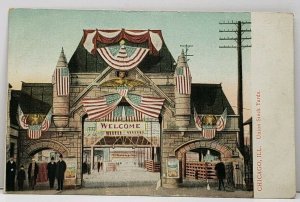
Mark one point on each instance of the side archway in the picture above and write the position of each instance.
(225, 151)
(39, 145)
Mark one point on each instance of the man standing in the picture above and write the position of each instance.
(10, 174)
(220, 171)
(21, 178)
(33, 171)
(51, 168)
(60, 173)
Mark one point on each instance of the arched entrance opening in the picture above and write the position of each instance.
(198, 159)
(121, 151)
(41, 150)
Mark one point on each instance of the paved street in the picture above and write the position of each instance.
(124, 176)
(134, 181)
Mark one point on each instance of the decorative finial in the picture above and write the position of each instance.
(62, 49)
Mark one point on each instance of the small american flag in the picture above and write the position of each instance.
(97, 108)
(183, 80)
(22, 118)
(222, 121)
(197, 119)
(47, 121)
(62, 80)
(150, 106)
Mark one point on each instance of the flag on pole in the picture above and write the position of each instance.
(62, 80)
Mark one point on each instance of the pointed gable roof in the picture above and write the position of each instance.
(82, 61)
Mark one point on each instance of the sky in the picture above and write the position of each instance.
(37, 36)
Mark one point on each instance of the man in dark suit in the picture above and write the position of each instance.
(10, 174)
(33, 171)
(220, 171)
(61, 167)
(51, 168)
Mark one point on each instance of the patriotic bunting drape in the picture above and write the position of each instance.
(209, 131)
(183, 80)
(62, 80)
(153, 38)
(122, 57)
(147, 105)
(34, 131)
(107, 107)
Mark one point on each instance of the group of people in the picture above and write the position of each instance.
(54, 169)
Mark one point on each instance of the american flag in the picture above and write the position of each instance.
(183, 80)
(222, 121)
(197, 119)
(62, 80)
(47, 121)
(97, 108)
(150, 106)
(22, 118)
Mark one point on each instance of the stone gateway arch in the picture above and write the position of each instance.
(122, 78)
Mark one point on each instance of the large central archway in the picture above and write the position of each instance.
(121, 158)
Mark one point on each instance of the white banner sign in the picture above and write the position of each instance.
(120, 126)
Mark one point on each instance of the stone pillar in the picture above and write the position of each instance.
(182, 98)
(60, 103)
(182, 109)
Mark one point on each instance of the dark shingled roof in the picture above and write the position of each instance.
(209, 99)
(82, 61)
(36, 98)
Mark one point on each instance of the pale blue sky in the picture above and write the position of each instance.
(36, 38)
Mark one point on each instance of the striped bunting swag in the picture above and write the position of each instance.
(221, 123)
(22, 118)
(97, 108)
(123, 57)
(106, 107)
(147, 105)
(183, 80)
(62, 80)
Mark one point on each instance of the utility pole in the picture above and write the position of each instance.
(239, 39)
(186, 49)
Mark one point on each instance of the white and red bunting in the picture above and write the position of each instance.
(153, 38)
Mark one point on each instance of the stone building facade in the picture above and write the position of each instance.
(89, 78)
